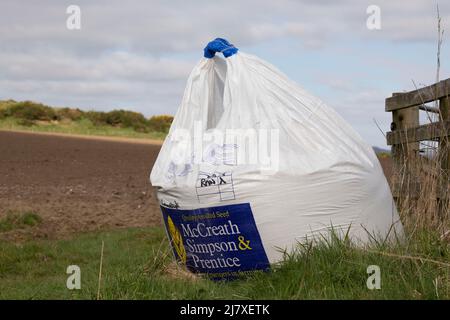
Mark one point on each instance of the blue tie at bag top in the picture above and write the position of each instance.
(253, 164)
(219, 45)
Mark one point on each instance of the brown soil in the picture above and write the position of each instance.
(79, 184)
(76, 184)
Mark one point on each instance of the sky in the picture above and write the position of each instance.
(137, 54)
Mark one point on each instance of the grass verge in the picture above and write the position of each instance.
(137, 263)
(19, 220)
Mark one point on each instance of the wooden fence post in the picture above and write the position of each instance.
(405, 137)
(404, 154)
(444, 152)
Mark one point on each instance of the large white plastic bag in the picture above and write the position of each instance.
(325, 176)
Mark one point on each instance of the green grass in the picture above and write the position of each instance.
(135, 261)
(19, 220)
(35, 116)
(82, 126)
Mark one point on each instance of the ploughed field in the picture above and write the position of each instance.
(78, 184)
(75, 184)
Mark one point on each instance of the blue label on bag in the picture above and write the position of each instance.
(220, 241)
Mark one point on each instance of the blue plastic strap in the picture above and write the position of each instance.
(219, 45)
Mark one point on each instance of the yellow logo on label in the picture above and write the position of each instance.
(177, 240)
